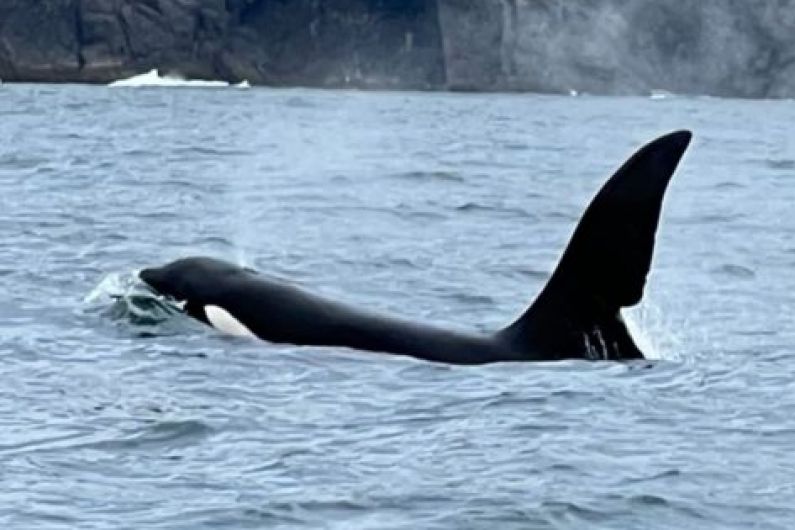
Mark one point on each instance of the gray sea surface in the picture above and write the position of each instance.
(449, 208)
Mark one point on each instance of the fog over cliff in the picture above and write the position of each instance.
(742, 48)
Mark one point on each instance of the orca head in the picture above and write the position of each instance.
(172, 280)
(189, 281)
(196, 283)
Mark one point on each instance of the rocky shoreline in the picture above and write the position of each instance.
(736, 48)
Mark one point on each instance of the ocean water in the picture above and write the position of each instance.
(451, 208)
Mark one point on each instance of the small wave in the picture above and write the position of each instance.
(735, 271)
(727, 185)
(710, 218)
(559, 215)
(470, 299)
(662, 475)
(168, 433)
(781, 164)
(194, 150)
(475, 207)
(403, 262)
(300, 103)
(158, 434)
(18, 161)
(152, 78)
(515, 146)
(430, 175)
(585, 514)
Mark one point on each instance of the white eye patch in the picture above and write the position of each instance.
(220, 319)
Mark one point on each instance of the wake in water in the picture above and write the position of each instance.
(124, 298)
(153, 78)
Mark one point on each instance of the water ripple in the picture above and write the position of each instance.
(118, 411)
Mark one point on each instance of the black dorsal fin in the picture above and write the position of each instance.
(605, 265)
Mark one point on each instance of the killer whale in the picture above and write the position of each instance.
(576, 315)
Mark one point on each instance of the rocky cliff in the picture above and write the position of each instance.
(742, 48)
(383, 43)
(721, 47)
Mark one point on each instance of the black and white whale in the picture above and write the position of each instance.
(576, 315)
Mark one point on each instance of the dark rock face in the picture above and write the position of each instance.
(377, 43)
(380, 43)
(472, 36)
(720, 47)
(38, 40)
(742, 48)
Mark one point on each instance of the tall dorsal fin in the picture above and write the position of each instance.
(605, 265)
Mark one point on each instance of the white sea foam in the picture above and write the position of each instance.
(113, 286)
(653, 333)
(128, 288)
(660, 94)
(153, 78)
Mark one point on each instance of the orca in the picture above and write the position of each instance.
(577, 315)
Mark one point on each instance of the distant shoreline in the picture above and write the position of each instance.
(617, 47)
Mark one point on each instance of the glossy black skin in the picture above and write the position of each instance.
(280, 312)
(576, 315)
